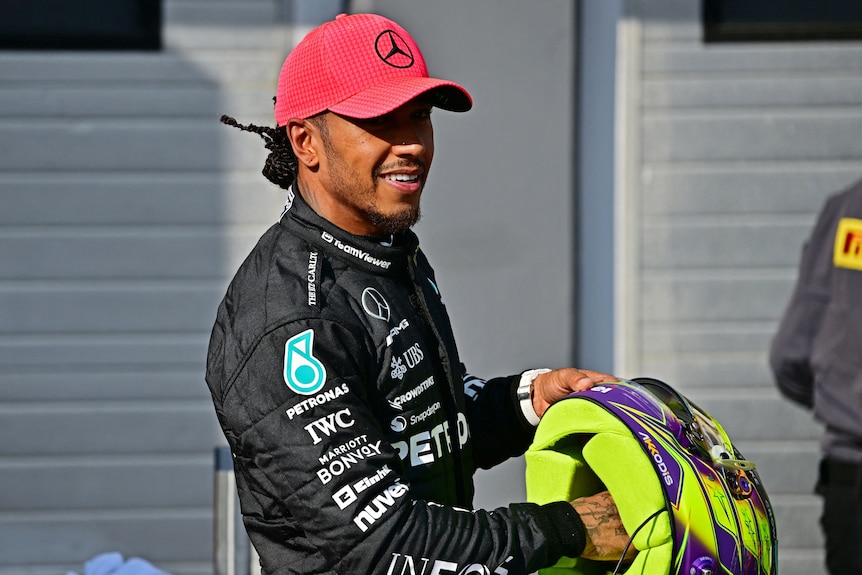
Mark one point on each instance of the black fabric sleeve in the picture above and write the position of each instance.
(499, 428)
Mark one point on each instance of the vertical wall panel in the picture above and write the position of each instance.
(124, 207)
(730, 151)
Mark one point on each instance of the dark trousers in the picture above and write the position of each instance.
(840, 484)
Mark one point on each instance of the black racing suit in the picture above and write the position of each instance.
(354, 427)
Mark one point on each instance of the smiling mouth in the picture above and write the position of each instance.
(407, 178)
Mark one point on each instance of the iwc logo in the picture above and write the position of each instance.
(303, 373)
(393, 50)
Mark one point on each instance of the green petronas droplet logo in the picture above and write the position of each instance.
(303, 373)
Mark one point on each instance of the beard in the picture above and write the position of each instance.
(363, 199)
(395, 223)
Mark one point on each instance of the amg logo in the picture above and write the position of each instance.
(378, 506)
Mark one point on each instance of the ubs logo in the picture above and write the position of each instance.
(393, 50)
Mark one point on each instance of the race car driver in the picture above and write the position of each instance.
(354, 426)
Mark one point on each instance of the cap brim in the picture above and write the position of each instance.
(383, 98)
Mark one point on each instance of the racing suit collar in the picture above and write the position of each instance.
(387, 255)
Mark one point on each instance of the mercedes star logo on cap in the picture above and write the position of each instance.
(393, 50)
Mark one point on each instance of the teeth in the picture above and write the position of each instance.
(401, 177)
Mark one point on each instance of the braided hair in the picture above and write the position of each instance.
(281, 164)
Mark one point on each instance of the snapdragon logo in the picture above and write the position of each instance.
(303, 373)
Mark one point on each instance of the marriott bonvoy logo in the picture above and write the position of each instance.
(354, 251)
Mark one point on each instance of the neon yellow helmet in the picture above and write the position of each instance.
(693, 505)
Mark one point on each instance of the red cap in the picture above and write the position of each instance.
(360, 66)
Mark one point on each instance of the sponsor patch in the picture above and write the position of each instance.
(354, 251)
(398, 402)
(329, 424)
(426, 447)
(402, 564)
(337, 461)
(303, 373)
(322, 398)
(379, 505)
(312, 278)
(848, 244)
(345, 496)
(473, 386)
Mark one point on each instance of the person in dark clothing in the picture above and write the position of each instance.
(816, 357)
(354, 425)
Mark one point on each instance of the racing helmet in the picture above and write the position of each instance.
(691, 503)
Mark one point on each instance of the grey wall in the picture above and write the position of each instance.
(124, 202)
(595, 237)
(125, 207)
(729, 152)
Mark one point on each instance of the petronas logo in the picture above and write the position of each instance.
(303, 373)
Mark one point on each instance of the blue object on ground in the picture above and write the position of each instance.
(113, 564)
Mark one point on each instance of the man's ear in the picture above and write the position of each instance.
(306, 142)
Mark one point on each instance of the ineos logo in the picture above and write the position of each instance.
(374, 304)
(393, 50)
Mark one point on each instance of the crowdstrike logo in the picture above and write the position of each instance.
(393, 50)
(398, 402)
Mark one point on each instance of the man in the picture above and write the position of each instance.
(816, 357)
(354, 426)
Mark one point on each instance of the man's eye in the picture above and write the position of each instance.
(376, 121)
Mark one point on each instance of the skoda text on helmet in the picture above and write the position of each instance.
(360, 66)
(692, 505)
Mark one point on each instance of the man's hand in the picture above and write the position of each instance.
(555, 385)
(606, 536)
